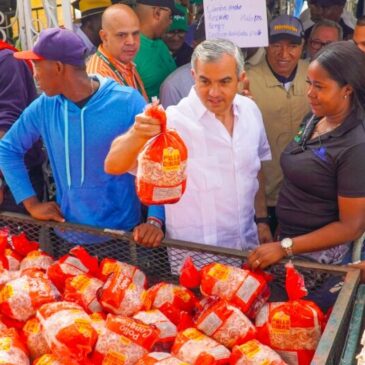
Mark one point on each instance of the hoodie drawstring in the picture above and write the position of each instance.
(67, 146)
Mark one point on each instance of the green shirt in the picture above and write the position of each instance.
(154, 63)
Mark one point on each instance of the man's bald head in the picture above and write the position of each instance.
(117, 13)
(120, 32)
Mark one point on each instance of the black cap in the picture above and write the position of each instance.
(163, 4)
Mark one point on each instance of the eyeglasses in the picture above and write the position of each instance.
(177, 33)
(317, 44)
(169, 10)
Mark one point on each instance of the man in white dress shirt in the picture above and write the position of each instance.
(226, 142)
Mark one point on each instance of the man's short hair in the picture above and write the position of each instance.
(213, 50)
(327, 23)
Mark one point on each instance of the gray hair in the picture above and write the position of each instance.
(213, 50)
(327, 23)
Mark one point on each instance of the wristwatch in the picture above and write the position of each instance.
(287, 245)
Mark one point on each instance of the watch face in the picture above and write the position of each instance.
(287, 243)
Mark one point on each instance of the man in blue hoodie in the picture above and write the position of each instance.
(77, 118)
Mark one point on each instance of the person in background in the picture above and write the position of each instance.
(226, 140)
(324, 32)
(87, 114)
(281, 79)
(175, 38)
(120, 37)
(359, 33)
(89, 25)
(17, 91)
(328, 9)
(154, 61)
(321, 206)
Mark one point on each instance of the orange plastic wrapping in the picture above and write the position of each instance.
(167, 329)
(12, 350)
(253, 353)
(36, 343)
(36, 260)
(160, 358)
(124, 341)
(161, 175)
(196, 348)
(82, 289)
(245, 289)
(77, 262)
(20, 298)
(226, 324)
(67, 329)
(172, 300)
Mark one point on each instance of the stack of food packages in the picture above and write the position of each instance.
(78, 311)
(361, 356)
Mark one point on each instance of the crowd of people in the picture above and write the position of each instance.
(276, 136)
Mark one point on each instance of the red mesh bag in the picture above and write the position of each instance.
(245, 289)
(161, 175)
(292, 328)
(124, 341)
(160, 358)
(225, 323)
(67, 329)
(20, 298)
(253, 353)
(82, 289)
(194, 347)
(36, 343)
(172, 300)
(77, 262)
(12, 349)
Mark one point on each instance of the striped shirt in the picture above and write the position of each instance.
(128, 75)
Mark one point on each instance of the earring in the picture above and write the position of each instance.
(345, 97)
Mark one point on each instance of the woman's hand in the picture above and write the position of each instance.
(265, 255)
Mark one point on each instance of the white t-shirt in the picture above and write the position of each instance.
(218, 205)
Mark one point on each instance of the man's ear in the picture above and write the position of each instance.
(60, 67)
(103, 35)
(156, 13)
(193, 73)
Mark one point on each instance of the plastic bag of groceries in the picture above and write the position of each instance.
(160, 358)
(293, 328)
(161, 175)
(10, 259)
(196, 348)
(82, 289)
(245, 289)
(77, 261)
(51, 359)
(21, 297)
(108, 266)
(34, 339)
(172, 300)
(12, 350)
(120, 295)
(123, 341)
(167, 329)
(36, 259)
(225, 323)
(253, 352)
(67, 329)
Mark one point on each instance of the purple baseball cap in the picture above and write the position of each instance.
(56, 44)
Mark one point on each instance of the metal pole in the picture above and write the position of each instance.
(67, 14)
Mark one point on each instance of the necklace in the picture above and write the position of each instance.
(318, 132)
